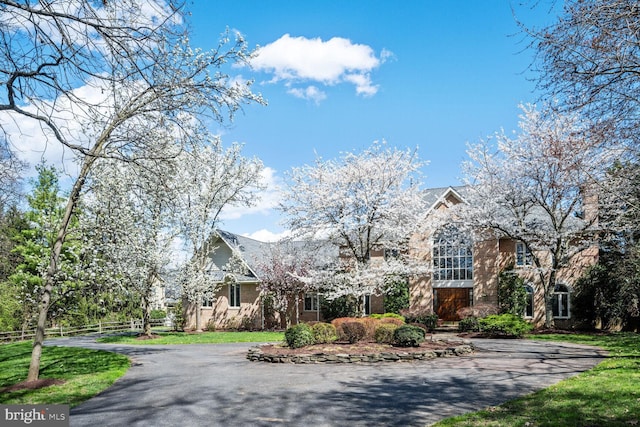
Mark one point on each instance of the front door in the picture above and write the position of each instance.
(449, 301)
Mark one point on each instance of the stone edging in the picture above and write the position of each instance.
(255, 354)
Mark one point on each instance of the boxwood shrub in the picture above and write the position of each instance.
(384, 333)
(299, 335)
(324, 333)
(469, 324)
(408, 336)
(504, 325)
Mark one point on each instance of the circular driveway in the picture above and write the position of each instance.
(214, 385)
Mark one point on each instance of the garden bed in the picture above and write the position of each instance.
(367, 352)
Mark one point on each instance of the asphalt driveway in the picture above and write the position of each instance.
(214, 385)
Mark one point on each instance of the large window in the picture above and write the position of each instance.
(561, 305)
(523, 255)
(234, 295)
(452, 258)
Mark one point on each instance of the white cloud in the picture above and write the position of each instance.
(266, 200)
(265, 235)
(311, 93)
(338, 60)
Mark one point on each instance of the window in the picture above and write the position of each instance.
(311, 301)
(561, 302)
(207, 302)
(234, 295)
(528, 309)
(367, 304)
(452, 259)
(390, 254)
(523, 255)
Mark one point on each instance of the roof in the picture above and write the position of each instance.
(253, 252)
(434, 196)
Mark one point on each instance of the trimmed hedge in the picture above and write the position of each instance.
(504, 325)
(408, 336)
(353, 331)
(384, 333)
(469, 324)
(299, 335)
(424, 317)
(324, 333)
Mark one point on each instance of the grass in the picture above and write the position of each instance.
(85, 372)
(197, 338)
(88, 372)
(607, 395)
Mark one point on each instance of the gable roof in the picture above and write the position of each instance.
(437, 196)
(251, 252)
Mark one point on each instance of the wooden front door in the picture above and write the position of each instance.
(449, 301)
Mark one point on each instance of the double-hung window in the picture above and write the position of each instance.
(523, 255)
(311, 302)
(234, 295)
(561, 303)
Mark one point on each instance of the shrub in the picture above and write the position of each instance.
(299, 335)
(370, 324)
(422, 316)
(388, 316)
(512, 295)
(478, 311)
(324, 333)
(353, 331)
(408, 336)
(179, 319)
(157, 314)
(397, 296)
(344, 306)
(469, 324)
(504, 325)
(384, 333)
(392, 321)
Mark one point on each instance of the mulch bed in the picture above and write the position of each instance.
(32, 385)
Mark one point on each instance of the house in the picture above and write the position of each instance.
(465, 271)
(237, 303)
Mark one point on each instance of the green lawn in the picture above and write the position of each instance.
(88, 372)
(197, 338)
(607, 395)
(85, 372)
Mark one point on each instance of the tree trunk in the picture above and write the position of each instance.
(549, 290)
(146, 313)
(52, 270)
(198, 304)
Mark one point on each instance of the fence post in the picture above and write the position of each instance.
(61, 332)
(100, 327)
(131, 323)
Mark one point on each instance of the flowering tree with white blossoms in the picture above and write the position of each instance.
(537, 189)
(210, 179)
(363, 202)
(127, 220)
(113, 79)
(281, 272)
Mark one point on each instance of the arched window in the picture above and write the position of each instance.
(452, 256)
(528, 309)
(561, 305)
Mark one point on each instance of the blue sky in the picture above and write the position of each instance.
(428, 74)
